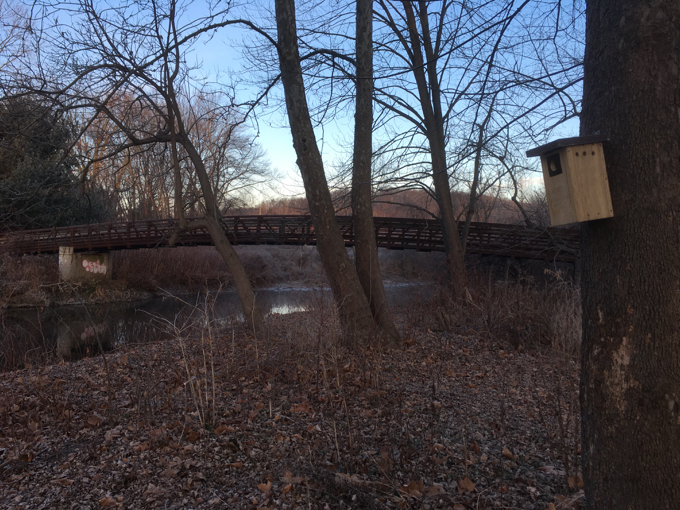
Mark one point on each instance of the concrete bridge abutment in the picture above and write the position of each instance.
(78, 267)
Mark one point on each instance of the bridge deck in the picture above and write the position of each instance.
(392, 233)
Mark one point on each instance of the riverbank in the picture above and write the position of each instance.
(33, 280)
(58, 322)
(217, 419)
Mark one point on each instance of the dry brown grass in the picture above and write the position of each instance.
(445, 422)
(523, 312)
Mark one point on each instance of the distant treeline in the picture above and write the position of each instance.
(413, 204)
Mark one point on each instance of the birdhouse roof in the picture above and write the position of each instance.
(567, 142)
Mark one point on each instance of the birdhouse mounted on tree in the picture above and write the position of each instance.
(575, 177)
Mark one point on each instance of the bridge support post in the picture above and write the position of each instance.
(75, 267)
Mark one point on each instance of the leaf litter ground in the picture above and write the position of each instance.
(219, 420)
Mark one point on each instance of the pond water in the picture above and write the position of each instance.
(70, 332)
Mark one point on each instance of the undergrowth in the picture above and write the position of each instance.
(450, 420)
(522, 312)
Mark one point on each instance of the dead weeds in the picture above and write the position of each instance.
(449, 421)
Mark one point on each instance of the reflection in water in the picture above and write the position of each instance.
(82, 338)
(33, 335)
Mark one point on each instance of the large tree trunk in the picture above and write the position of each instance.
(355, 314)
(630, 373)
(366, 249)
(430, 101)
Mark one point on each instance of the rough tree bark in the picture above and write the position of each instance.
(366, 249)
(355, 315)
(430, 100)
(630, 373)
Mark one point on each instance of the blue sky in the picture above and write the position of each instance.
(222, 55)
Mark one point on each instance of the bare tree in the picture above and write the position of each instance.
(368, 268)
(138, 50)
(140, 179)
(12, 32)
(453, 78)
(355, 314)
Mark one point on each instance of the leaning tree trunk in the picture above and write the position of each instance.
(366, 249)
(251, 310)
(455, 257)
(630, 372)
(355, 314)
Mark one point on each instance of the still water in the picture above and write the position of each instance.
(70, 332)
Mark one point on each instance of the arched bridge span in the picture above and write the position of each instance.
(556, 244)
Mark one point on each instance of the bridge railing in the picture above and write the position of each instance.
(393, 233)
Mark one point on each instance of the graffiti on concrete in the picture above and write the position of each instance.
(94, 267)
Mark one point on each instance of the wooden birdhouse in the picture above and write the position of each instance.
(575, 177)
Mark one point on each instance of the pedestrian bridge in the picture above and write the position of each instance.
(554, 244)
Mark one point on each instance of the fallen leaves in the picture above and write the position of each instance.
(508, 454)
(153, 490)
(107, 501)
(112, 434)
(170, 472)
(290, 479)
(268, 425)
(27, 457)
(416, 488)
(142, 447)
(300, 408)
(312, 429)
(575, 482)
(435, 490)
(64, 482)
(465, 485)
(94, 421)
(192, 436)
